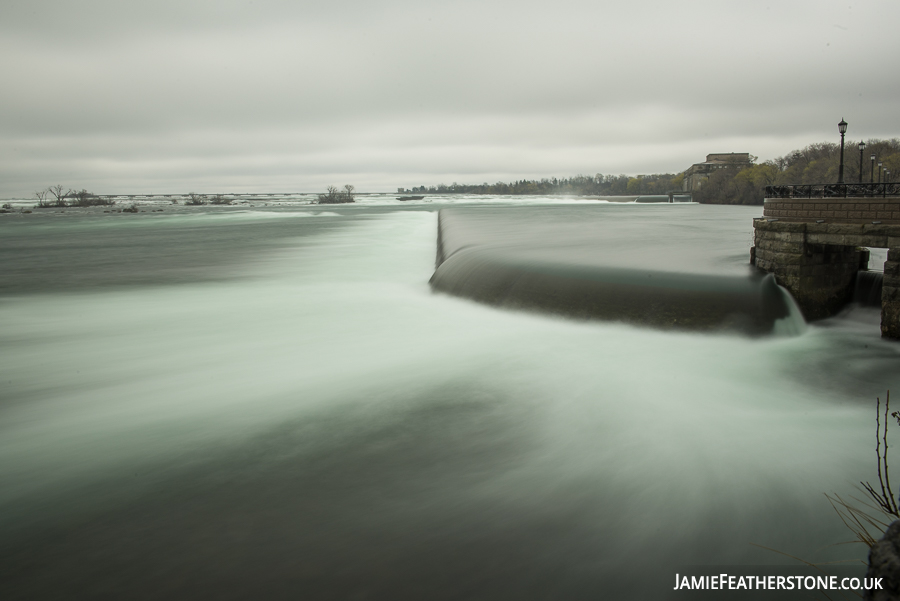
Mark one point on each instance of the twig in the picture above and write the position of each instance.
(886, 500)
(887, 476)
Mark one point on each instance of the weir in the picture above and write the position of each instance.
(553, 270)
(813, 239)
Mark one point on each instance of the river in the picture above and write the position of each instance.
(268, 401)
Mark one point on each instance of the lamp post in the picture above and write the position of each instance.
(879, 171)
(862, 146)
(872, 177)
(842, 127)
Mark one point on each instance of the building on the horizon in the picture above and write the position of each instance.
(698, 173)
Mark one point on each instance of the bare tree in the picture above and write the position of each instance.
(58, 193)
(41, 196)
(335, 196)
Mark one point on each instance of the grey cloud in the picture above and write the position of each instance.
(306, 90)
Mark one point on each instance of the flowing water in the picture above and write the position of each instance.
(270, 402)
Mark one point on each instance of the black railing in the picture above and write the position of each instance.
(833, 190)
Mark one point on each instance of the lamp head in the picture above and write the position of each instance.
(862, 146)
(842, 127)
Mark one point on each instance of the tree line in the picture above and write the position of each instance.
(579, 185)
(737, 183)
(59, 196)
(817, 163)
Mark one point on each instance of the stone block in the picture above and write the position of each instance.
(890, 293)
(783, 258)
(778, 246)
(779, 226)
(810, 282)
(890, 320)
(873, 229)
(820, 229)
(874, 241)
(761, 251)
(784, 236)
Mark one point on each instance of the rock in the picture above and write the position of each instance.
(884, 562)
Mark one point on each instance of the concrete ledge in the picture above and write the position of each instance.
(842, 210)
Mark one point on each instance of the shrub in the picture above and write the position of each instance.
(861, 516)
(335, 196)
(88, 199)
(43, 202)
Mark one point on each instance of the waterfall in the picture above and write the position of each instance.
(867, 291)
(561, 278)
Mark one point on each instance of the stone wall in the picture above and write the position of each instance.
(818, 262)
(890, 296)
(843, 210)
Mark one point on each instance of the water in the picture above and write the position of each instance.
(566, 261)
(868, 287)
(270, 402)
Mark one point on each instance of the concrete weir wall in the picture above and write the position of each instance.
(539, 262)
(817, 260)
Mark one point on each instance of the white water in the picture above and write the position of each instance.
(573, 450)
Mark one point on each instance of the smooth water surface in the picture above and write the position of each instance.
(269, 402)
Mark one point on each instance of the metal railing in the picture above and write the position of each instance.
(833, 190)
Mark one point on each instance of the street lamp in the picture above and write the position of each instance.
(879, 171)
(842, 127)
(862, 146)
(872, 177)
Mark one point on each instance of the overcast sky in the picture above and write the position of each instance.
(276, 95)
